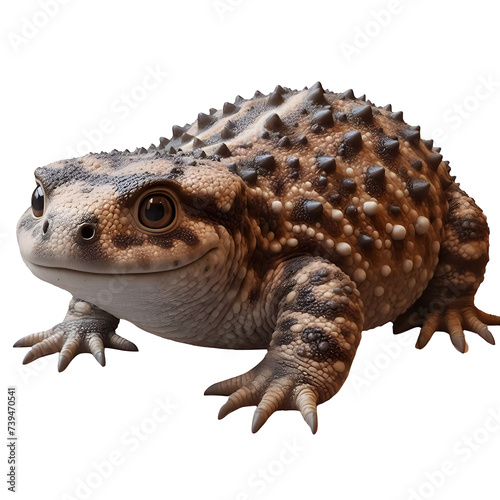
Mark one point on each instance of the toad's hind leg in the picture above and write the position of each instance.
(447, 304)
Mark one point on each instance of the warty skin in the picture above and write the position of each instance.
(291, 222)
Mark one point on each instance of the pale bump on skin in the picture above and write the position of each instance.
(293, 210)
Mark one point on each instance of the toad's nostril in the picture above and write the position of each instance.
(87, 232)
(45, 227)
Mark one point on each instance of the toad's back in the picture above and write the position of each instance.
(336, 177)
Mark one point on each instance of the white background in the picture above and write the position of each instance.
(404, 415)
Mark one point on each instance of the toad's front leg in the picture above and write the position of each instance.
(318, 328)
(86, 328)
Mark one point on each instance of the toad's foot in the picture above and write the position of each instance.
(86, 328)
(453, 321)
(272, 385)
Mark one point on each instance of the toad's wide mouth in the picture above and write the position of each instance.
(102, 271)
(119, 289)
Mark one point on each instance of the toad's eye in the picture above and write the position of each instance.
(157, 211)
(37, 201)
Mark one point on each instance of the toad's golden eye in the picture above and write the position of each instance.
(37, 201)
(157, 211)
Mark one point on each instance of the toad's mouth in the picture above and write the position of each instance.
(37, 268)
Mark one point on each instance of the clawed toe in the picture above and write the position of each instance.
(242, 397)
(478, 321)
(49, 345)
(485, 334)
(114, 341)
(259, 419)
(34, 338)
(429, 327)
(228, 386)
(306, 401)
